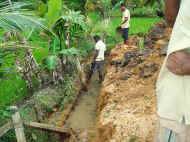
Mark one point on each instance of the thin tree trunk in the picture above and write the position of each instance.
(81, 73)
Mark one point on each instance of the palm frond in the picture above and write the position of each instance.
(15, 17)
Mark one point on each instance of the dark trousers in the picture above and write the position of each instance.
(97, 66)
(125, 33)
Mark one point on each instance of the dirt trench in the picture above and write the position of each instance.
(83, 118)
(123, 107)
(81, 115)
(127, 101)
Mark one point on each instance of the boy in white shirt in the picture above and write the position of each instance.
(98, 60)
(125, 22)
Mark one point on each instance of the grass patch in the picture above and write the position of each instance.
(139, 25)
(142, 25)
(12, 89)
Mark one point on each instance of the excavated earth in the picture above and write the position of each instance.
(127, 103)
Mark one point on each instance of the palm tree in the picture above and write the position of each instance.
(14, 19)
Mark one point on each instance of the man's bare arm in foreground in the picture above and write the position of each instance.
(177, 62)
(171, 11)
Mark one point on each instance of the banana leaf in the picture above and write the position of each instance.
(70, 52)
(51, 62)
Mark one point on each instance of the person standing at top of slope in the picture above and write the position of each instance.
(125, 22)
(173, 84)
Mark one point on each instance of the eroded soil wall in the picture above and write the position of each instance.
(127, 103)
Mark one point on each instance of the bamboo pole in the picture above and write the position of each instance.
(18, 125)
(47, 127)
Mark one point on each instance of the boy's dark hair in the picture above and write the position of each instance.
(123, 5)
(96, 38)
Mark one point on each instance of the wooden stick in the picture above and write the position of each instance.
(47, 127)
(18, 125)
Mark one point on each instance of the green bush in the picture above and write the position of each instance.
(144, 12)
(12, 89)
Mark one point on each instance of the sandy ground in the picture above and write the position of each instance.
(127, 103)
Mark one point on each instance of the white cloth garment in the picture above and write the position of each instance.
(126, 14)
(173, 91)
(172, 131)
(101, 48)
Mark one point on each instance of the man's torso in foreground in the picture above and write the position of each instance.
(173, 91)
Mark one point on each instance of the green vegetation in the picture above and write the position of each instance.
(142, 25)
(14, 88)
(58, 33)
(139, 26)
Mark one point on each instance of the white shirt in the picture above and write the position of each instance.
(173, 91)
(126, 14)
(101, 47)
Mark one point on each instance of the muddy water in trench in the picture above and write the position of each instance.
(83, 117)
